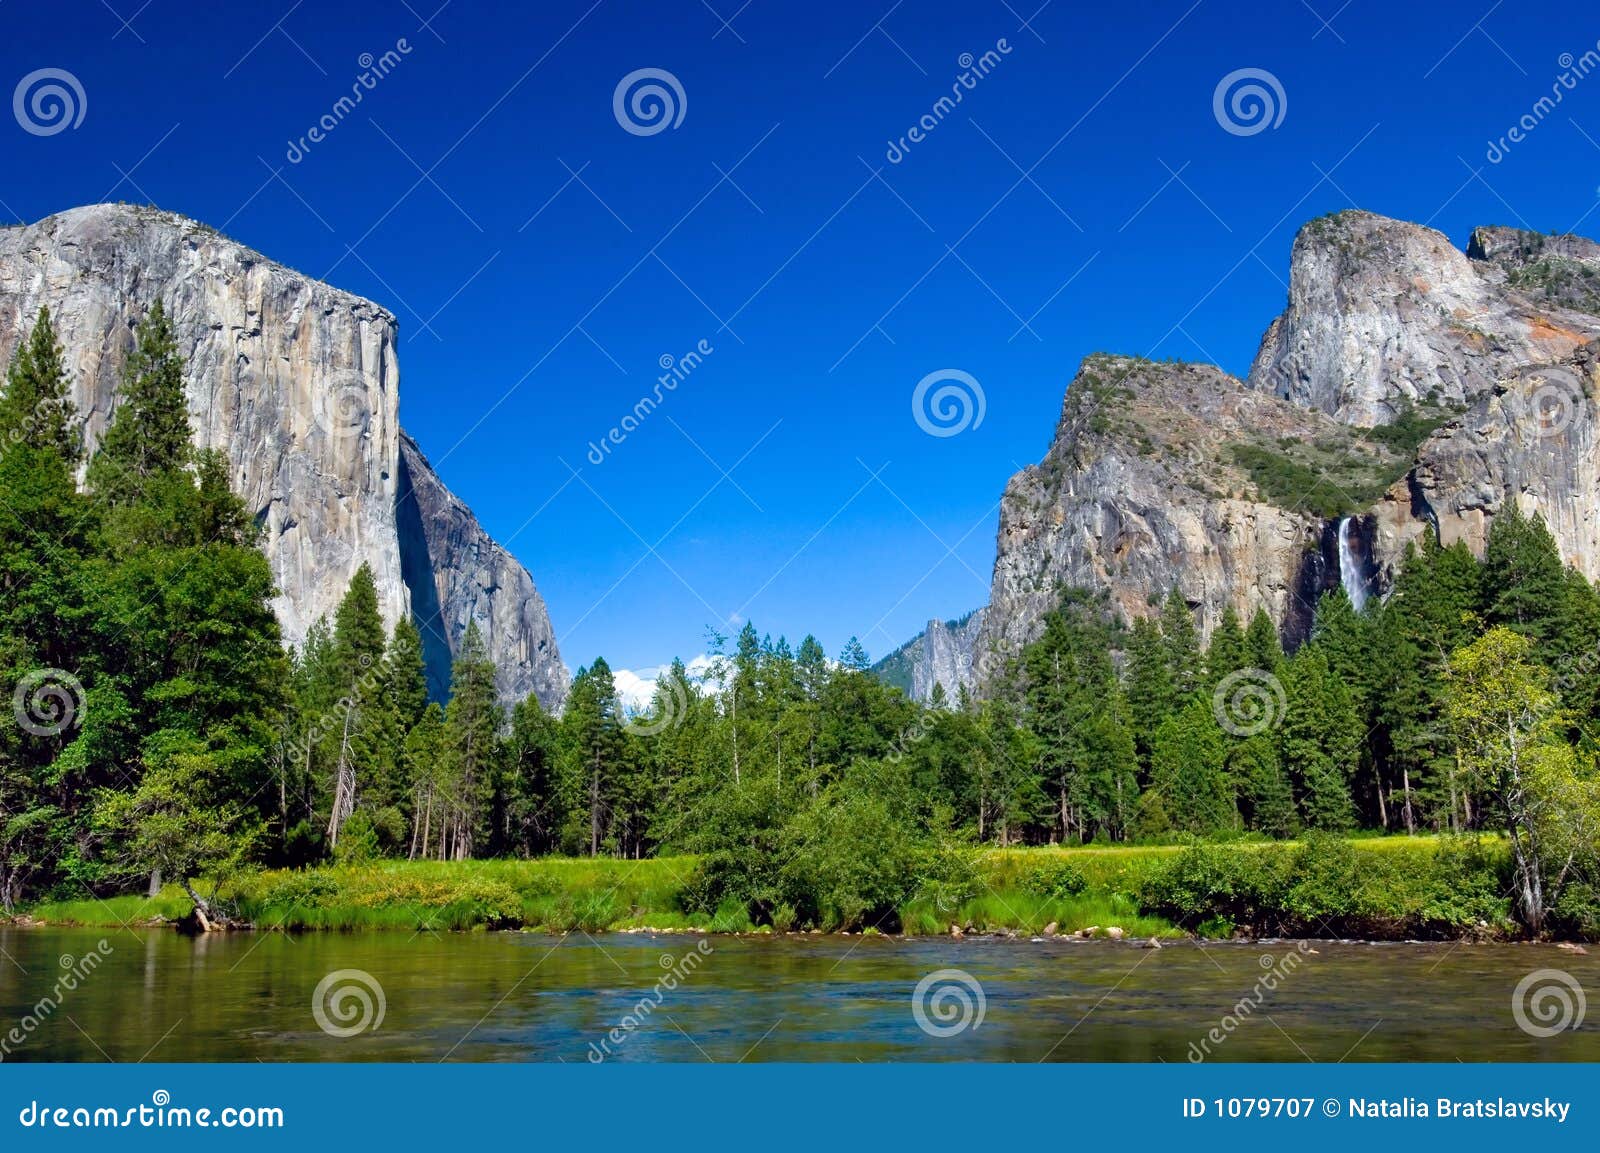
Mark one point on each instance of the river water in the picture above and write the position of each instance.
(154, 995)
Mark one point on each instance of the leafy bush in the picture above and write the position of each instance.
(1330, 886)
(1056, 879)
(1242, 885)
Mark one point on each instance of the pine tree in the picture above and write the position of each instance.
(1432, 611)
(1227, 652)
(1320, 739)
(149, 430)
(1188, 771)
(470, 747)
(1070, 687)
(1151, 698)
(407, 674)
(1262, 646)
(358, 655)
(430, 802)
(1523, 576)
(531, 751)
(593, 734)
(1266, 796)
(854, 658)
(1181, 644)
(36, 409)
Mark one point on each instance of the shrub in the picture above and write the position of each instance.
(1057, 880)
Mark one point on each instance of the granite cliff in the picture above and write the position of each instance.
(1408, 387)
(297, 383)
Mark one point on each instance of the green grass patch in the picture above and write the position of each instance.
(1363, 887)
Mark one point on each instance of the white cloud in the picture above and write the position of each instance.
(635, 687)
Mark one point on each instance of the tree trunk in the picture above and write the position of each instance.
(344, 788)
(155, 883)
(202, 908)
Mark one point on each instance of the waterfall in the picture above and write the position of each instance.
(1350, 574)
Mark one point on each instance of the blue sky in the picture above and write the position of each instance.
(543, 259)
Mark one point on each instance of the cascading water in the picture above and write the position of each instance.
(1350, 573)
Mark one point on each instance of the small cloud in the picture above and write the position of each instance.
(636, 687)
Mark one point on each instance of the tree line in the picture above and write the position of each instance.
(163, 731)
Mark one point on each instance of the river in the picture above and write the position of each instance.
(154, 995)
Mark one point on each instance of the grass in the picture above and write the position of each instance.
(1396, 880)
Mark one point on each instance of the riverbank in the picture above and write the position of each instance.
(1394, 888)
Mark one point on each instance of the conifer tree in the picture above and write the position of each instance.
(470, 747)
(1150, 693)
(1181, 644)
(1321, 737)
(36, 408)
(1262, 646)
(1188, 770)
(149, 430)
(1227, 652)
(1522, 572)
(592, 726)
(358, 654)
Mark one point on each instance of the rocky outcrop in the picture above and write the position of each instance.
(942, 654)
(1533, 440)
(1143, 491)
(297, 383)
(1382, 312)
(458, 575)
(1409, 387)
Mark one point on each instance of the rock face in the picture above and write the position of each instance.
(942, 654)
(297, 383)
(1532, 439)
(1381, 312)
(456, 575)
(1408, 387)
(1141, 492)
